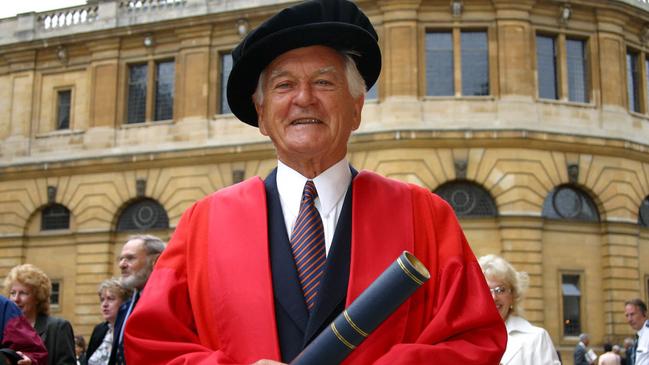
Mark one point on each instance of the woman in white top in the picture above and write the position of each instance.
(111, 295)
(526, 344)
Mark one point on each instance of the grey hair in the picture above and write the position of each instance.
(152, 244)
(355, 81)
(583, 337)
(495, 267)
(114, 286)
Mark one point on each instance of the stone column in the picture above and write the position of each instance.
(612, 53)
(522, 246)
(620, 275)
(515, 60)
(20, 111)
(94, 264)
(191, 104)
(399, 81)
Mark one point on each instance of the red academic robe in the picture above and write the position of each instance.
(209, 299)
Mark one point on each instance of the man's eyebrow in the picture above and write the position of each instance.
(320, 71)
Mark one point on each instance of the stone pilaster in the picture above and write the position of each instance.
(522, 246)
(620, 274)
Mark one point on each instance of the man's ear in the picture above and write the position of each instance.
(260, 123)
(358, 108)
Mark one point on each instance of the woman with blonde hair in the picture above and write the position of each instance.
(30, 288)
(526, 344)
(111, 295)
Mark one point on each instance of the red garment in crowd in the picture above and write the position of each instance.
(210, 297)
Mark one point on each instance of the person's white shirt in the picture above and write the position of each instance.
(609, 358)
(331, 184)
(528, 344)
(642, 351)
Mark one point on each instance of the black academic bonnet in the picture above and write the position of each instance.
(338, 24)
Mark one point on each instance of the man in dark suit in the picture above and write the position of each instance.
(136, 261)
(581, 351)
(255, 271)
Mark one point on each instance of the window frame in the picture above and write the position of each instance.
(640, 84)
(582, 300)
(42, 227)
(222, 82)
(56, 306)
(561, 68)
(151, 91)
(57, 107)
(456, 32)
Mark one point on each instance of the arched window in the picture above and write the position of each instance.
(141, 215)
(55, 216)
(468, 199)
(643, 213)
(569, 202)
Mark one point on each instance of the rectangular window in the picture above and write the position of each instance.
(226, 67)
(137, 81)
(55, 294)
(632, 80)
(439, 64)
(571, 293)
(475, 63)
(64, 98)
(577, 70)
(546, 65)
(164, 90)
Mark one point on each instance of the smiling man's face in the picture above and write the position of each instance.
(307, 109)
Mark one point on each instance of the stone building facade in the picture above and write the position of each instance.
(530, 116)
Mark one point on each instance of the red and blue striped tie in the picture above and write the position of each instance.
(308, 244)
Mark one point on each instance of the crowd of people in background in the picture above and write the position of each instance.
(29, 335)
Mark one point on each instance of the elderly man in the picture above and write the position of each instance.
(635, 312)
(255, 271)
(136, 261)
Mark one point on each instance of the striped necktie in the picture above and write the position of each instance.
(308, 245)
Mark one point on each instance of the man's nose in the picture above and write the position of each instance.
(304, 95)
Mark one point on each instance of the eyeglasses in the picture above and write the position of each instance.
(499, 290)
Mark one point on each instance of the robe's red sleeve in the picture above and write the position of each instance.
(453, 319)
(162, 328)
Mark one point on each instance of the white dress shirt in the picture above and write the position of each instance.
(642, 351)
(332, 184)
(528, 344)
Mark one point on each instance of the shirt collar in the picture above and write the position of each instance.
(331, 185)
(518, 324)
(644, 328)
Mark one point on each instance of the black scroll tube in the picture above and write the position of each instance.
(375, 304)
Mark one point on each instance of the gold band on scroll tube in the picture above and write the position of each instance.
(354, 326)
(405, 269)
(340, 337)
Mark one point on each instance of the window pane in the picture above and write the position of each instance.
(55, 293)
(136, 111)
(577, 70)
(632, 80)
(475, 63)
(63, 108)
(439, 64)
(546, 64)
(164, 90)
(142, 215)
(226, 67)
(571, 308)
(55, 216)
